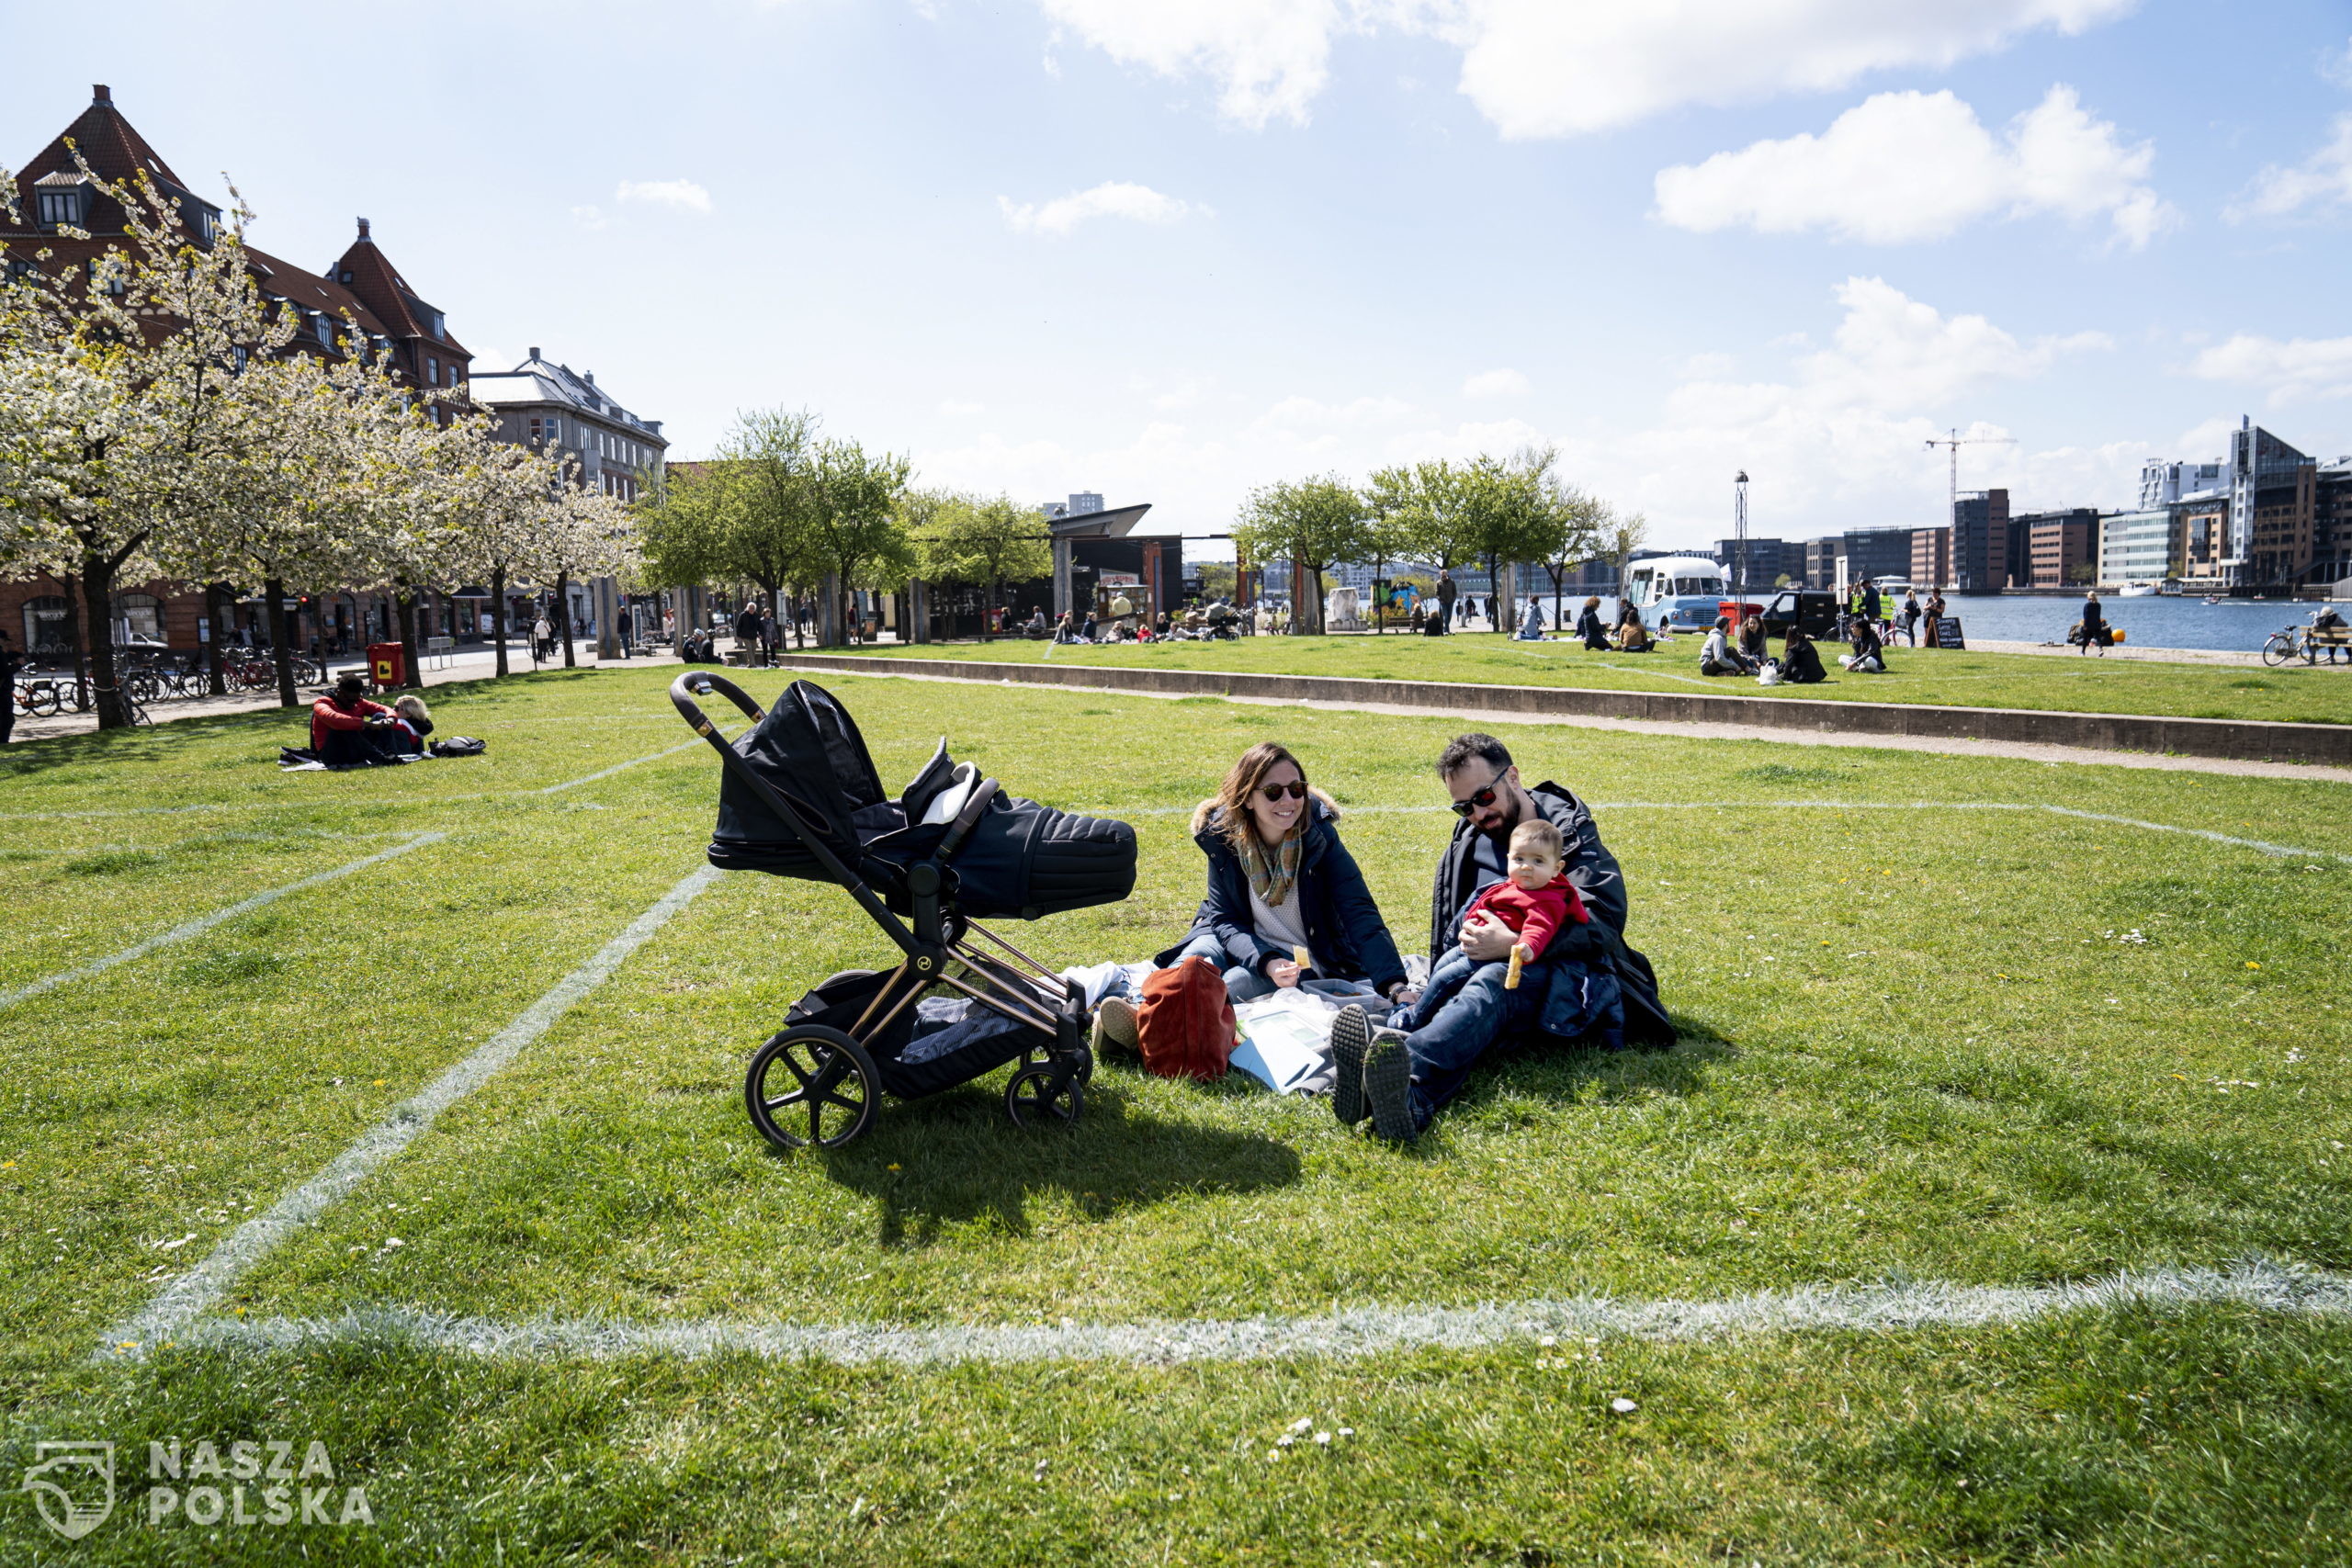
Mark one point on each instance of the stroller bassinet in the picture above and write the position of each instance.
(799, 797)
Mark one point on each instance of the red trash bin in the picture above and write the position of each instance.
(388, 663)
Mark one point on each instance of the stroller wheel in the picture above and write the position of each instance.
(1033, 1098)
(1085, 1074)
(811, 1087)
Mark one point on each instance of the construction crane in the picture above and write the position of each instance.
(1955, 441)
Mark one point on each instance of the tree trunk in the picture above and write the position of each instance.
(281, 640)
(97, 602)
(498, 615)
(412, 672)
(79, 639)
(216, 615)
(563, 614)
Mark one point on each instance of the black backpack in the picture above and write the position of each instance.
(457, 746)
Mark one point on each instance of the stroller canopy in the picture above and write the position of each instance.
(1020, 860)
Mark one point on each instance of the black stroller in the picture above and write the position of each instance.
(799, 797)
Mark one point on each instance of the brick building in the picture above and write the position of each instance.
(361, 291)
(2062, 547)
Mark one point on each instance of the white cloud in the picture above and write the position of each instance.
(1834, 439)
(1904, 167)
(1268, 56)
(1111, 198)
(682, 193)
(1556, 68)
(1541, 68)
(2293, 369)
(956, 408)
(1505, 383)
(588, 218)
(2324, 179)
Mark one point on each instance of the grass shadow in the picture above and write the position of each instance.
(952, 1159)
(1524, 1085)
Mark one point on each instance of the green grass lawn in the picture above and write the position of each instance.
(1920, 1042)
(2295, 693)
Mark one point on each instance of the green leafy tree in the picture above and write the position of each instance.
(747, 515)
(854, 529)
(1507, 516)
(1580, 519)
(1424, 504)
(1311, 523)
(988, 541)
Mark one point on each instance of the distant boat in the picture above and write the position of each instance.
(2212, 598)
(2137, 591)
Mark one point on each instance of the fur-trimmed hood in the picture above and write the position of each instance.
(1328, 810)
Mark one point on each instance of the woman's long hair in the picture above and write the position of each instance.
(1240, 828)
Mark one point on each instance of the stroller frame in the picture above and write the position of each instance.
(838, 1083)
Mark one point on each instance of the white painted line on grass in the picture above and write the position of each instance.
(179, 1302)
(623, 767)
(203, 923)
(1368, 1331)
(300, 805)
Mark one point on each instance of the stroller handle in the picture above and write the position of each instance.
(700, 684)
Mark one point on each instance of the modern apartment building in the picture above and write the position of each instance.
(2143, 545)
(2061, 548)
(1981, 557)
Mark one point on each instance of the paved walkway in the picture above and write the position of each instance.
(474, 664)
(1949, 746)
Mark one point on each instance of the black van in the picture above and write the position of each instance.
(1815, 613)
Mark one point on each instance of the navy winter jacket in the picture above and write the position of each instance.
(1343, 925)
(1597, 988)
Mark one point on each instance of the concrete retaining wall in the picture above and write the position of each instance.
(2243, 738)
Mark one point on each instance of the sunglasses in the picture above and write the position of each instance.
(1297, 790)
(1478, 802)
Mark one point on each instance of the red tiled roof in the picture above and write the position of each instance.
(110, 146)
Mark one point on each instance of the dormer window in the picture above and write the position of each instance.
(61, 200)
(326, 329)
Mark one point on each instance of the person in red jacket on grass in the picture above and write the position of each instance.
(341, 722)
(1532, 900)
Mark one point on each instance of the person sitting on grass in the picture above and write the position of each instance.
(1867, 655)
(1532, 900)
(347, 726)
(1633, 636)
(411, 724)
(1589, 627)
(1530, 625)
(1751, 640)
(1280, 884)
(1716, 655)
(1587, 987)
(1800, 660)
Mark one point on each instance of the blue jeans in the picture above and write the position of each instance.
(1453, 971)
(1241, 983)
(1445, 1042)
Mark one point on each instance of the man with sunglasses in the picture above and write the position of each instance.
(1588, 985)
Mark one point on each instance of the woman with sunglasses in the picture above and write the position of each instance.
(1280, 880)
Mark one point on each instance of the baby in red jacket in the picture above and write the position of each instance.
(1533, 899)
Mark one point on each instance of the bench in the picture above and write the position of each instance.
(443, 649)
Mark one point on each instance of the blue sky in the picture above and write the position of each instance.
(1172, 251)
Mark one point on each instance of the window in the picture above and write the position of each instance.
(48, 627)
(326, 329)
(60, 206)
(138, 615)
(432, 372)
(109, 272)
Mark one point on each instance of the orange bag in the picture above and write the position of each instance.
(1185, 1022)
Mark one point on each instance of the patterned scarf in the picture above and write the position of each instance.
(1272, 874)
